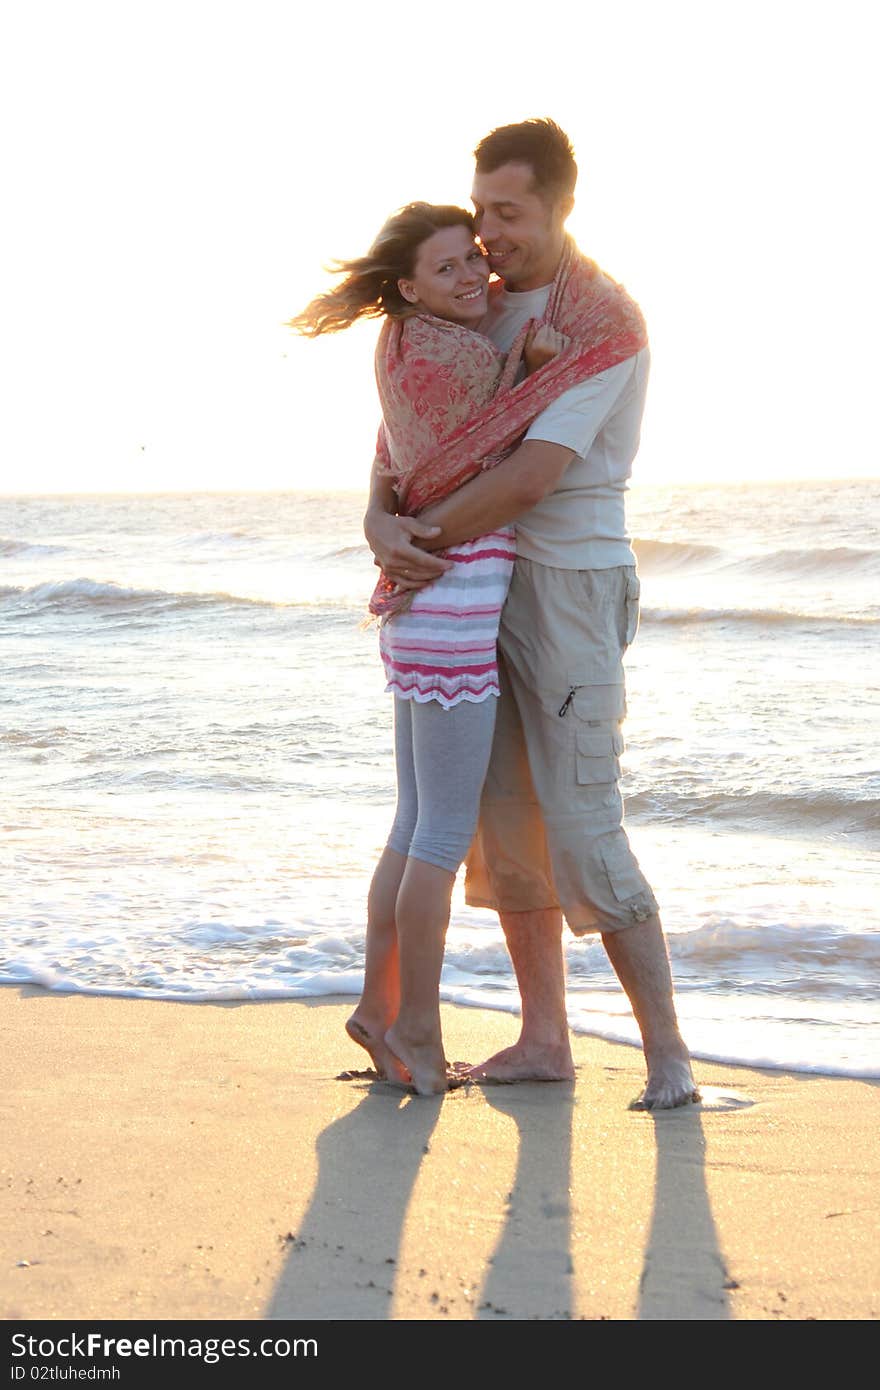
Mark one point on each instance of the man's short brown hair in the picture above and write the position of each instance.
(542, 145)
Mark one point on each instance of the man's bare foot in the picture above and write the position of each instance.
(423, 1062)
(371, 1038)
(527, 1062)
(670, 1082)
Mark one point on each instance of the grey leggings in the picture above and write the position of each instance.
(442, 756)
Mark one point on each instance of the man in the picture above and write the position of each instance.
(551, 837)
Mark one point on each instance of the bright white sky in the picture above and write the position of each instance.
(176, 172)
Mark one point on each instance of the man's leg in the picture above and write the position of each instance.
(563, 636)
(509, 863)
(543, 1050)
(639, 957)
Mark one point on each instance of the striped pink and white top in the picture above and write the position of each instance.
(443, 646)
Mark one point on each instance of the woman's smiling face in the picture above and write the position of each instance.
(450, 277)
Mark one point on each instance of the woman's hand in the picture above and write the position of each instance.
(542, 344)
(394, 543)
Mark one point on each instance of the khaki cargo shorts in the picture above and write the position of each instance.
(550, 831)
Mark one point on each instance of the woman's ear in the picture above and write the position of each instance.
(408, 290)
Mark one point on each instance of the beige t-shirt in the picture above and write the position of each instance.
(582, 524)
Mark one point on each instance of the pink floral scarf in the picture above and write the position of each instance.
(449, 404)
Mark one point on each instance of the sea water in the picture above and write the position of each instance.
(197, 771)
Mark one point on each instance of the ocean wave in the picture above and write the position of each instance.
(230, 538)
(9, 546)
(173, 780)
(788, 1048)
(656, 555)
(806, 945)
(106, 595)
(755, 617)
(823, 807)
(348, 550)
(825, 946)
(43, 738)
(841, 559)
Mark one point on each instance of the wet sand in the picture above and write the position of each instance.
(167, 1160)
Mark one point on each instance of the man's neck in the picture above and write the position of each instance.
(529, 288)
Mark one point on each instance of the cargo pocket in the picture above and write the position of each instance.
(597, 704)
(633, 593)
(628, 883)
(598, 756)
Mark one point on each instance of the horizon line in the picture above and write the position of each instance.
(363, 491)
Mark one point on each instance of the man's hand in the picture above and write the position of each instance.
(542, 344)
(393, 541)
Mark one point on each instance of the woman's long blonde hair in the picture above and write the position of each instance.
(370, 288)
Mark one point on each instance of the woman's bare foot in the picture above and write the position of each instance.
(370, 1037)
(423, 1061)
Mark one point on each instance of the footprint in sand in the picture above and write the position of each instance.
(716, 1098)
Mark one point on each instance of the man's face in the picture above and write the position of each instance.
(521, 232)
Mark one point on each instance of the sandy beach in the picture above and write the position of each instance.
(165, 1160)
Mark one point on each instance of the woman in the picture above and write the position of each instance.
(450, 407)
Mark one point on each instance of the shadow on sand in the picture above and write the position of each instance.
(368, 1165)
(531, 1266)
(368, 1162)
(684, 1275)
